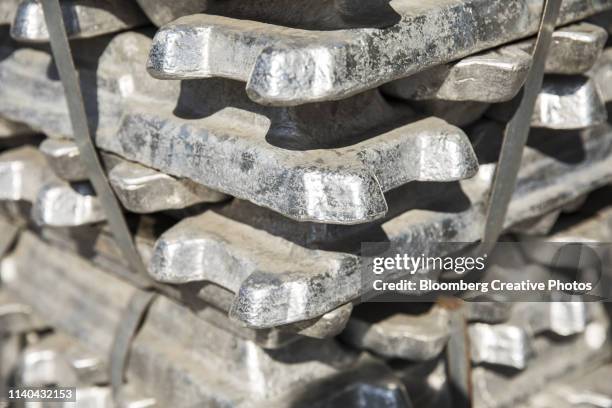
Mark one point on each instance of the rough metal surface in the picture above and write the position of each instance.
(510, 343)
(83, 19)
(23, 172)
(266, 156)
(176, 350)
(498, 75)
(140, 189)
(504, 344)
(64, 158)
(96, 243)
(60, 204)
(343, 185)
(602, 75)
(144, 190)
(415, 337)
(284, 66)
(272, 288)
(500, 389)
(565, 103)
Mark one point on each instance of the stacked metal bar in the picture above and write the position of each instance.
(377, 122)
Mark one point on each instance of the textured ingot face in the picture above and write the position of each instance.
(498, 75)
(140, 189)
(82, 18)
(64, 158)
(23, 172)
(602, 75)
(564, 103)
(173, 337)
(273, 157)
(494, 387)
(60, 204)
(288, 67)
(414, 337)
(501, 344)
(144, 190)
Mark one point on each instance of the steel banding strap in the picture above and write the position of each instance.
(83, 138)
(517, 130)
(130, 322)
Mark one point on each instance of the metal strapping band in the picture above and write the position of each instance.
(83, 138)
(517, 131)
(130, 322)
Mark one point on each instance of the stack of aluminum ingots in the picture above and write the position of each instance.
(254, 147)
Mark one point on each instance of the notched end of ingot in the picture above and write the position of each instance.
(575, 49)
(144, 190)
(63, 205)
(500, 344)
(29, 23)
(82, 19)
(288, 75)
(64, 158)
(186, 253)
(412, 337)
(23, 171)
(59, 359)
(267, 300)
(491, 77)
(569, 103)
(179, 51)
(446, 155)
(564, 103)
(279, 282)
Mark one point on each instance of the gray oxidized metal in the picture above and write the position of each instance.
(83, 19)
(415, 337)
(60, 204)
(284, 66)
(498, 75)
(272, 288)
(318, 162)
(565, 103)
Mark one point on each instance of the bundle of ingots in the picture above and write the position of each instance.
(254, 146)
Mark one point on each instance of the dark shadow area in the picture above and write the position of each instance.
(322, 125)
(375, 312)
(596, 201)
(348, 238)
(368, 384)
(566, 146)
(327, 15)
